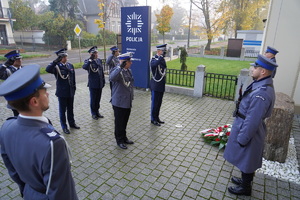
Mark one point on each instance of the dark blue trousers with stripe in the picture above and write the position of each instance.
(156, 101)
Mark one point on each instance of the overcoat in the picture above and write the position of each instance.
(5, 72)
(158, 68)
(246, 142)
(96, 75)
(26, 152)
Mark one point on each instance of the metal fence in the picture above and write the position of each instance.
(220, 85)
(180, 78)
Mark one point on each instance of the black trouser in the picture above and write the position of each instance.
(121, 120)
(156, 98)
(247, 178)
(66, 104)
(95, 97)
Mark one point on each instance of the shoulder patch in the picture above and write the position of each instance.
(50, 132)
(261, 97)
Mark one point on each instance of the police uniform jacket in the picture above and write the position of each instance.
(5, 72)
(122, 89)
(112, 61)
(65, 78)
(96, 75)
(158, 68)
(246, 142)
(27, 156)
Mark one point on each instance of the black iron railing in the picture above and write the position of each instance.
(220, 85)
(180, 78)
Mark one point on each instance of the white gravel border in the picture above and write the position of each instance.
(288, 171)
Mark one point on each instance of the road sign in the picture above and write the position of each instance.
(77, 30)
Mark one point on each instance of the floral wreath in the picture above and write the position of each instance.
(218, 136)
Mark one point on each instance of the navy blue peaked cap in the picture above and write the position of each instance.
(264, 62)
(272, 50)
(162, 47)
(61, 52)
(114, 48)
(93, 49)
(22, 83)
(13, 55)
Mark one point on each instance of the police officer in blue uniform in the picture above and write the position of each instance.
(37, 157)
(96, 81)
(271, 53)
(113, 60)
(122, 96)
(158, 69)
(12, 64)
(65, 88)
(246, 142)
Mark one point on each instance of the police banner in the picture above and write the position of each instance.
(136, 32)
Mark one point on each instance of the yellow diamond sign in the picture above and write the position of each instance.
(77, 30)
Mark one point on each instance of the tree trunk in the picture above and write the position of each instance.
(163, 38)
(207, 47)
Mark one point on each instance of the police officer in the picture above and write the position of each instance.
(96, 81)
(113, 60)
(65, 88)
(122, 96)
(36, 157)
(246, 142)
(12, 64)
(158, 69)
(271, 53)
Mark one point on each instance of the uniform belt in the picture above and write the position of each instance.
(240, 115)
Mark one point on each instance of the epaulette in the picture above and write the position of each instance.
(50, 132)
(14, 117)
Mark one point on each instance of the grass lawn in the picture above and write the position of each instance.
(24, 56)
(219, 66)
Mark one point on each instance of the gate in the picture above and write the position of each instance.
(220, 86)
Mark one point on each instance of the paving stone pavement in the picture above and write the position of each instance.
(164, 163)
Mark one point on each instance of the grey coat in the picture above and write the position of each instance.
(246, 142)
(122, 94)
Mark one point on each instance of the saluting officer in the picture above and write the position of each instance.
(246, 142)
(65, 88)
(36, 156)
(96, 81)
(12, 64)
(271, 53)
(158, 68)
(122, 96)
(113, 60)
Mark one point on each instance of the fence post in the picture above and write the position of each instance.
(199, 81)
(202, 51)
(222, 52)
(242, 57)
(243, 79)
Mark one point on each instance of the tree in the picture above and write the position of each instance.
(183, 56)
(163, 20)
(243, 14)
(24, 15)
(66, 8)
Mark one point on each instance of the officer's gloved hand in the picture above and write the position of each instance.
(9, 62)
(58, 59)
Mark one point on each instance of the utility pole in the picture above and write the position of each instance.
(190, 20)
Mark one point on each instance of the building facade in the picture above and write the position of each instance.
(6, 21)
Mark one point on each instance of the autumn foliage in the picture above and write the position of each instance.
(164, 19)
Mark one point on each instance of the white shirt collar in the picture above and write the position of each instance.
(40, 118)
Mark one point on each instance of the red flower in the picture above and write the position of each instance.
(225, 126)
(217, 139)
(228, 133)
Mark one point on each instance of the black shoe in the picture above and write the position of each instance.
(128, 142)
(155, 123)
(66, 131)
(236, 180)
(95, 117)
(161, 122)
(75, 126)
(240, 190)
(99, 115)
(122, 146)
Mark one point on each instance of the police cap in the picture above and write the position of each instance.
(22, 83)
(264, 62)
(125, 56)
(162, 47)
(93, 49)
(13, 55)
(61, 52)
(271, 50)
(114, 48)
